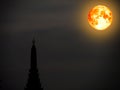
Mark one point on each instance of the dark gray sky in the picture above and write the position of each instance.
(67, 58)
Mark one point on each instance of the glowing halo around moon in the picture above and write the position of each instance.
(82, 25)
(100, 17)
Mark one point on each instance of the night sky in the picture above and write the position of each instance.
(69, 58)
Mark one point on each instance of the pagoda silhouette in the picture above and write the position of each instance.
(33, 82)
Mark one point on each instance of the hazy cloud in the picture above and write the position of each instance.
(38, 14)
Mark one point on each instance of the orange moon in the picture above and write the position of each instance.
(100, 17)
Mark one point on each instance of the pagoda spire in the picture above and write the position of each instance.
(33, 79)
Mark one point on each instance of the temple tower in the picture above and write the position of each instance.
(33, 79)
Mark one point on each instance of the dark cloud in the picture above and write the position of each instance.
(37, 14)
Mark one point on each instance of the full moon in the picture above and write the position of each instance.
(100, 17)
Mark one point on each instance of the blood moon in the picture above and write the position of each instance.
(100, 17)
